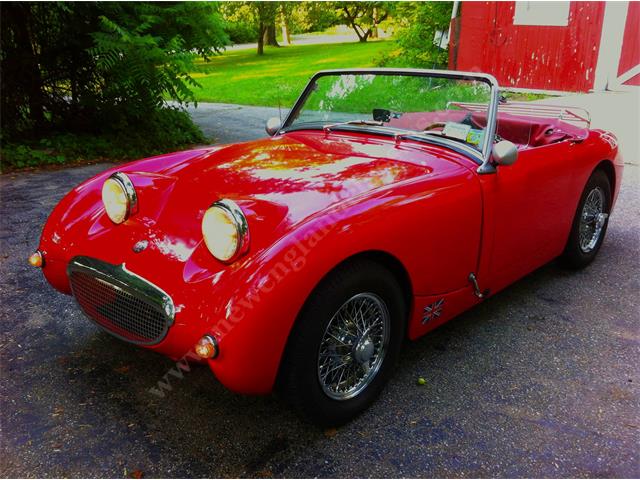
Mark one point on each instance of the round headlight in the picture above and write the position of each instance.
(119, 197)
(225, 230)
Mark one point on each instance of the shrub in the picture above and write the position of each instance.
(416, 24)
(164, 130)
(73, 72)
(241, 32)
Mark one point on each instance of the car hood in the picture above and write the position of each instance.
(298, 174)
(278, 182)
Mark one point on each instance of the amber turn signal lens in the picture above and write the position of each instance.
(207, 347)
(36, 260)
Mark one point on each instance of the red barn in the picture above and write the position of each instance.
(551, 46)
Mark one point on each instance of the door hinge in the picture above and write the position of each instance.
(476, 288)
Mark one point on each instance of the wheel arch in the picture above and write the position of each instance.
(384, 259)
(393, 264)
(607, 167)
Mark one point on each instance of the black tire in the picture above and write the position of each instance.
(574, 256)
(299, 380)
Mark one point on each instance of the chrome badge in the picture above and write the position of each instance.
(433, 311)
(140, 246)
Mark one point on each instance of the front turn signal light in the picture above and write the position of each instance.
(207, 347)
(36, 259)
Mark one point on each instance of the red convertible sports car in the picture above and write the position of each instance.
(386, 203)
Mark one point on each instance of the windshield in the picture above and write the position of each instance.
(418, 104)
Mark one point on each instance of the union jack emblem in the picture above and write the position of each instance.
(432, 311)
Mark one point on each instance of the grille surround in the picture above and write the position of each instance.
(121, 302)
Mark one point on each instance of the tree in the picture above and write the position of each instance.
(259, 18)
(364, 17)
(314, 16)
(239, 22)
(416, 26)
(145, 50)
(270, 36)
(98, 65)
(286, 19)
(266, 13)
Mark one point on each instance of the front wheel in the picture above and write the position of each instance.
(345, 343)
(590, 222)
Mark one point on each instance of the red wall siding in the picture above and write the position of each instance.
(537, 57)
(630, 56)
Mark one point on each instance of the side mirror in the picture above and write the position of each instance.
(272, 126)
(504, 153)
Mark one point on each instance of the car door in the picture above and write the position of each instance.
(532, 206)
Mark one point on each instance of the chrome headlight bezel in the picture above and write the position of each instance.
(129, 191)
(239, 221)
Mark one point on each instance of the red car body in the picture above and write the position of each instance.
(314, 199)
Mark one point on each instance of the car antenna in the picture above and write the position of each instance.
(279, 107)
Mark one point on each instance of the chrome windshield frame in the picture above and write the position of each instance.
(492, 110)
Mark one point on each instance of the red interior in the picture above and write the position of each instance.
(525, 132)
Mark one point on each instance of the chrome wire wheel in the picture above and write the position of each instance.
(592, 220)
(353, 346)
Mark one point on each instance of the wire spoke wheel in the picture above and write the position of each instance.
(592, 220)
(353, 346)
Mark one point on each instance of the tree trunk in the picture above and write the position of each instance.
(286, 26)
(286, 36)
(27, 62)
(261, 30)
(270, 35)
(374, 27)
(362, 37)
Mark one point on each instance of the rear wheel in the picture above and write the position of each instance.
(590, 222)
(345, 343)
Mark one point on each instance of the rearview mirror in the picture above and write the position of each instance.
(504, 153)
(381, 115)
(272, 126)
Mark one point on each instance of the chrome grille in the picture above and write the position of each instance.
(119, 301)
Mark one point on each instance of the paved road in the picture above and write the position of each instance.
(346, 36)
(228, 123)
(541, 380)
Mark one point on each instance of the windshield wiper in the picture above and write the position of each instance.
(372, 123)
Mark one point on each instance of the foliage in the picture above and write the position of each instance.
(314, 16)
(142, 52)
(166, 129)
(241, 32)
(100, 68)
(240, 22)
(416, 24)
(242, 19)
(257, 17)
(364, 17)
(239, 76)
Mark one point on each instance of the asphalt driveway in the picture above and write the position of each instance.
(542, 380)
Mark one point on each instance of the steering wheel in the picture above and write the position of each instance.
(434, 125)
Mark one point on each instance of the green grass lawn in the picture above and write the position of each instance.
(241, 76)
